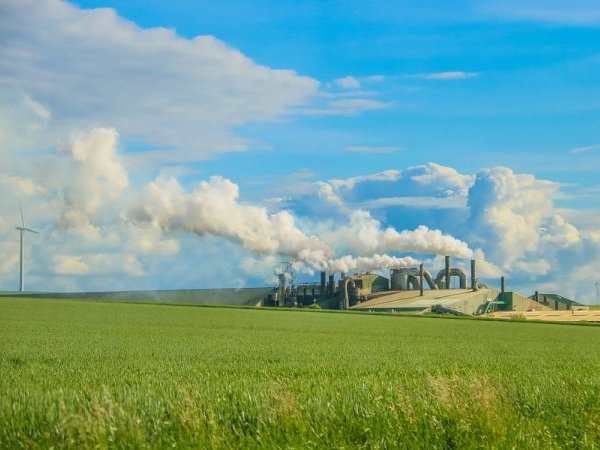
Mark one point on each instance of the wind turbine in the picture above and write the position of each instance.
(22, 231)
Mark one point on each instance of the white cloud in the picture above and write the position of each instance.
(586, 149)
(457, 75)
(444, 179)
(21, 186)
(375, 78)
(97, 228)
(509, 219)
(348, 82)
(418, 202)
(96, 176)
(511, 211)
(69, 265)
(98, 225)
(9, 263)
(350, 183)
(98, 264)
(148, 240)
(585, 220)
(72, 69)
(425, 180)
(340, 106)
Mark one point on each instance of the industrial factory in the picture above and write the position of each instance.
(416, 290)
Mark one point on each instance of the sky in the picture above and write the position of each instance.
(191, 144)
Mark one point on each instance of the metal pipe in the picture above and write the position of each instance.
(399, 278)
(473, 277)
(429, 280)
(421, 280)
(454, 271)
(447, 264)
(413, 282)
(345, 282)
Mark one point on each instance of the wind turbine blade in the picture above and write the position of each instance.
(26, 229)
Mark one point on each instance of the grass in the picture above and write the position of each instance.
(115, 375)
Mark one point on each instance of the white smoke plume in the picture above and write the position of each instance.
(365, 235)
(376, 262)
(213, 208)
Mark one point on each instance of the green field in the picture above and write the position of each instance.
(90, 374)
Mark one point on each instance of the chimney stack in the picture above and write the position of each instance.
(447, 260)
(331, 286)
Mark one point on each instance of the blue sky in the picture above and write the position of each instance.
(535, 97)
(125, 126)
(536, 93)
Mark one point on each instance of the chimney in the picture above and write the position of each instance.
(323, 287)
(502, 285)
(421, 280)
(473, 276)
(331, 286)
(447, 260)
(281, 290)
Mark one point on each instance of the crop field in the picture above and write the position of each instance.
(77, 374)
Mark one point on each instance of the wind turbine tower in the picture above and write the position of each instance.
(22, 230)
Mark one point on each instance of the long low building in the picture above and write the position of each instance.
(572, 315)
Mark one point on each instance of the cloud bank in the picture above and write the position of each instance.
(98, 227)
(65, 68)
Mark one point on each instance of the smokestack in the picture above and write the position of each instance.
(281, 296)
(537, 296)
(342, 275)
(331, 286)
(473, 276)
(421, 280)
(447, 260)
(502, 286)
(323, 292)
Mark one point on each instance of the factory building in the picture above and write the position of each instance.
(416, 290)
